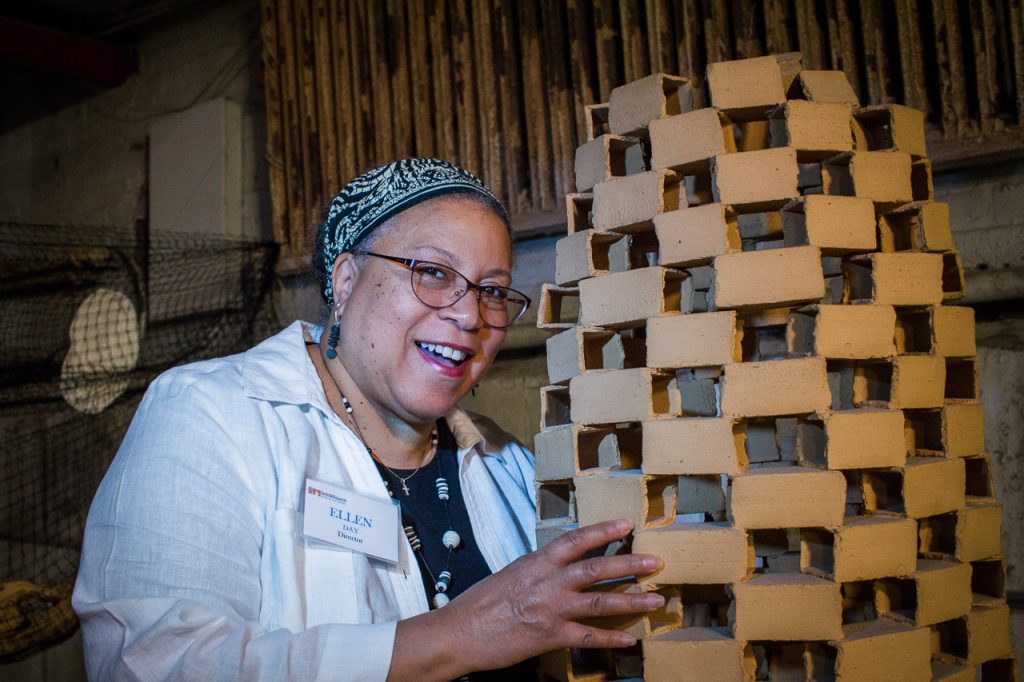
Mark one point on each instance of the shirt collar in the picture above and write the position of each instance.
(279, 370)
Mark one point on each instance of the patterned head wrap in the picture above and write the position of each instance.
(373, 197)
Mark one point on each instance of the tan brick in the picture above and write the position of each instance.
(581, 255)
(696, 553)
(746, 88)
(633, 106)
(817, 130)
(883, 177)
(842, 331)
(579, 349)
(775, 387)
(978, 531)
(881, 650)
(918, 381)
(988, 633)
(607, 157)
(788, 497)
(903, 279)
(787, 608)
(933, 485)
(864, 548)
(627, 299)
(695, 653)
(890, 127)
(647, 501)
(758, 180)
(687, 143)
(837, 225)
(638, 394)
(826, 86)
(767, 279)
(695, 235)
(698, 445)
(694, 340)
(938, 591)
(578, 207)
(953, 332)
(918, 226)
(852, 439)
(630, 203)
(963, 430)
(558, 308)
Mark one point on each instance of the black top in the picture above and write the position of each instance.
(425, 512)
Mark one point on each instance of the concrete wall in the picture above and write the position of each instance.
(87, 164)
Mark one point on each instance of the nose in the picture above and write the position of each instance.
(466, 311)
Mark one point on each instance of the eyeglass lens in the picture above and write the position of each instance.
(439, 287)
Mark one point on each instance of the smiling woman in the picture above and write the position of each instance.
(265, 461)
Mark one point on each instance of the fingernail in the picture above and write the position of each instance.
(627, 640)
(623, 525)
(654, 600)
(652, 563)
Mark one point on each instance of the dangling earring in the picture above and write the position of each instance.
(332, 338)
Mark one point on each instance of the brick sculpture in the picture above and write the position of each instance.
(754, 359)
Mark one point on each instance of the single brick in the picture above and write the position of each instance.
(687, 143)
(835, 224)
(775, 387)
(746, 88)
(904, 279)
(695, 445)
(630, 203)
(647, 501)
(758, 180)
(788, 497)
(882, 650)
(883, 177)
(890, 127)
(787, 607)
(607, 157)
(842, 331)
(816, 130)
(825, 86)
(696, 235)
(639, 394)
(694, 340)
(632, 107)
(696, 553)
(627, 299)
(767, 279)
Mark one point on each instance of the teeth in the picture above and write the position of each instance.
(445, 351)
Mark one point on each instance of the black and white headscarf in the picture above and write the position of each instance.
(373, 197)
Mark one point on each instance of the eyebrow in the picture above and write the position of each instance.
(493, 272)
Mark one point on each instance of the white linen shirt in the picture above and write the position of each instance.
(194, 565)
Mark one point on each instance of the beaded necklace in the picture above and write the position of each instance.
(450, 539)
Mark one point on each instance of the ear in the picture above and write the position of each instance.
(343, 278)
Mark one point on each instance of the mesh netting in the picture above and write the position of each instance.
(88, 318)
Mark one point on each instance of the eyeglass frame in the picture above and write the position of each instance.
(411, 264)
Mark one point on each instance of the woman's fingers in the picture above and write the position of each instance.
(580, 636)
(574, 544)
(589, 571)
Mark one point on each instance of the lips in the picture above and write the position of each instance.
(447, 359)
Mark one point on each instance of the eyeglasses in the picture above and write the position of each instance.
(439, 286)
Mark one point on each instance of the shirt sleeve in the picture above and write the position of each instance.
(169, 584)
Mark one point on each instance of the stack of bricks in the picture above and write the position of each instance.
(753, 358)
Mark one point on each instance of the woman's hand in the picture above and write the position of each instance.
(534, 605)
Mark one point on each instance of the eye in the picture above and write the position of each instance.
(434, 272)
(495, 292)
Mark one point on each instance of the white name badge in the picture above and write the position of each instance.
(343, 517)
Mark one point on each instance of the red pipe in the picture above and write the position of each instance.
(47, 48)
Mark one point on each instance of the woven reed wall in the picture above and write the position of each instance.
(498, 86)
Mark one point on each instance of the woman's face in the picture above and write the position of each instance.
(385, 329)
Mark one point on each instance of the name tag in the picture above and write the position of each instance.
(345, 518)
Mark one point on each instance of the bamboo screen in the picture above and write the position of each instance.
(498, 86)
